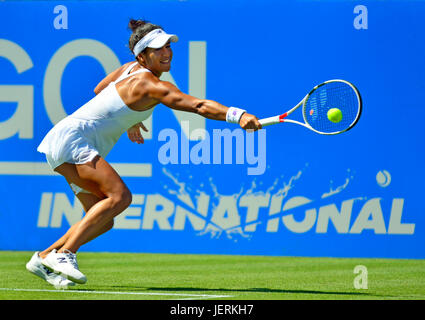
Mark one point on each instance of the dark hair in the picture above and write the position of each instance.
(140, 28)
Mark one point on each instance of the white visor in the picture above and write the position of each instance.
(155, 39)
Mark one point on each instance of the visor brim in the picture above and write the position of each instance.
(162, 40)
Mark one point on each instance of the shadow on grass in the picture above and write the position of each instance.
(252, 290)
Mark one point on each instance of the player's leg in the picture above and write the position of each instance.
(99, 178)
(88, 200)
(36, 267)
(102, 180)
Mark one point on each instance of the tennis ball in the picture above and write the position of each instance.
(335, 115)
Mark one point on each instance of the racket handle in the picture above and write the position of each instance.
(269, 121)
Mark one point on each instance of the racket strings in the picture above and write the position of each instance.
(336, 94)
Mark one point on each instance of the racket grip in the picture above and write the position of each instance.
(269, 121)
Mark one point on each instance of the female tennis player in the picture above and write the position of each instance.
(76, 147)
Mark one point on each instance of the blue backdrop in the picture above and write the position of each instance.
(297, 193)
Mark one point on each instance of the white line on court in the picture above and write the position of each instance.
(122, 293)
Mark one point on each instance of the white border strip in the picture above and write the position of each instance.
(43, 169)
(122, 293)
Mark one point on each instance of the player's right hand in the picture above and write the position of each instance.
(249, 122)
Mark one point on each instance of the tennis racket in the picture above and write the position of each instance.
(337, 93)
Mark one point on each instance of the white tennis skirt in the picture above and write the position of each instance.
(65, 142)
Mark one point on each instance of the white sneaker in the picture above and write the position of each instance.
(64, 264)
(34, 266)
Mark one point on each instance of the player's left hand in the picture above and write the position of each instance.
(134, 133)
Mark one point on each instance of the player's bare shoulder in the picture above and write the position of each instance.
(134, 86)
(154, 87)
(143, 84)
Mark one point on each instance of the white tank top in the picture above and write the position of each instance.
(108, 115)
(109, 111)
(94, 128)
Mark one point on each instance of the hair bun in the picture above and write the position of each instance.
(134, 24)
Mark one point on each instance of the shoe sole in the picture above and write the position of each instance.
(35, 271)
(76, 280)
(40, 274)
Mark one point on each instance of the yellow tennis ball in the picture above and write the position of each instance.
(335, 115)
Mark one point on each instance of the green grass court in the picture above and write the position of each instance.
(123, 276)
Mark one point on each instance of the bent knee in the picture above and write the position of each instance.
(122, 199)
(109, 225)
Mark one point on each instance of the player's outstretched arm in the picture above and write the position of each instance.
(169, 95)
